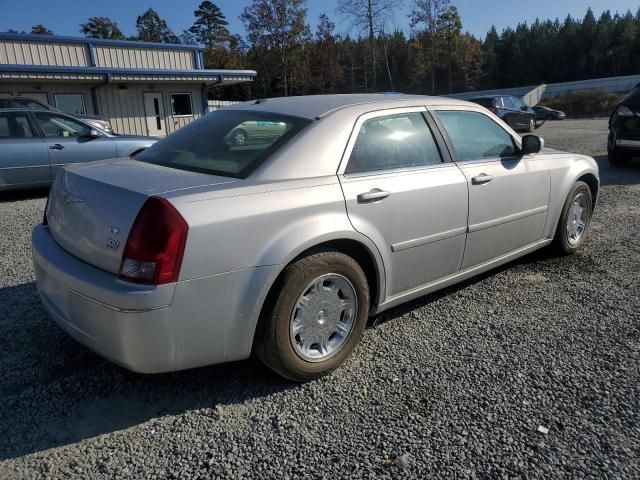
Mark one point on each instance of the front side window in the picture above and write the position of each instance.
(58, 126)
(15, 125)
(395, 141)
(225, 142)
(475, 136)
(181, 104)
(71, 103)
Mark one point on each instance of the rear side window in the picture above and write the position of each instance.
(476, 136)
(395, 141)
(231, 143)
(15, 125)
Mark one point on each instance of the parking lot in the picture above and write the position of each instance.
(459, 384)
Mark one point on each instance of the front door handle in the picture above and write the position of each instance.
(373, 195)
(482, 178)
(57, 146)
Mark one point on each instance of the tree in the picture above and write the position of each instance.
(152, 28)
(429, 13)
(210, 27)
(326, 66)
(369, 16)
(451, 24)
(101, 27)
(279, 27)
(40, 30)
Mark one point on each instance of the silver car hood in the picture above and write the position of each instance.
(92, 207)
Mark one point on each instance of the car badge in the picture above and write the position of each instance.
(71, 198)
(113, 230)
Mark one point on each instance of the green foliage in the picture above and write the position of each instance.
(152, 28)
(101, 27)
(40, 30)
(210, 27)
(553, 51)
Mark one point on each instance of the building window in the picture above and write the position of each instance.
(181, 105)
(71, 103)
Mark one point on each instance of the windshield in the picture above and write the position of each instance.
(229, 143)
(485, 102)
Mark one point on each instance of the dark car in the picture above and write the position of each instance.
(546, 113)
(512, 110)
(33, 104)
(624, 129)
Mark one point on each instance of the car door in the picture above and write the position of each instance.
(402, 195)
(23, 154)
(69, 141)
(508, 192)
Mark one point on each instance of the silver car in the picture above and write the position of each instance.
(36, 144)
(200, 251)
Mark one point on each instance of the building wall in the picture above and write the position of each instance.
(125, 108)
(130, 57)
(28, 89)
(22, 52)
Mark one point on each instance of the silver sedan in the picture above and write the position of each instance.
(202, 250)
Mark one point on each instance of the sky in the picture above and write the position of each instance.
(65, 16)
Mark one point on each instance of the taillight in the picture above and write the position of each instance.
(624, 111)
(494, 106)
(155, 247)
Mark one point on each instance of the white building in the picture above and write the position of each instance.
(142, 88)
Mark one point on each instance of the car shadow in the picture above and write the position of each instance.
(610, 175)
(56, 392)
(29, 194)
(537, 256)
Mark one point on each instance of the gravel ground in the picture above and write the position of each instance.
(530, 371)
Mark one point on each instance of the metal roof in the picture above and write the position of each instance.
(25, 37)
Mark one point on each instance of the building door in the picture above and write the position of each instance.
(154, 111)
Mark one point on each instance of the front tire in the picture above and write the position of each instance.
(239, 137)
(316, 318)
(574, 220)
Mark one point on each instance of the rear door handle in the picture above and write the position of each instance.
(482, 178)
(373, 195)
(57, 146)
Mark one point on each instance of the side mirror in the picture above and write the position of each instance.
(93, 133)
(532, 144)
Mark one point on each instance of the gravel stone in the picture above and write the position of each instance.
(459, 380)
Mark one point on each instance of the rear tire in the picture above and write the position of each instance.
(239, 137)
(574, 220)
(315, 318)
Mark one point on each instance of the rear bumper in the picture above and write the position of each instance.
(149, 329)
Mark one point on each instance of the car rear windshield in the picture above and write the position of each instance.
(485, 102)
(230, 143)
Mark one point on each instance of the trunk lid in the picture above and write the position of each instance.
(92, 207)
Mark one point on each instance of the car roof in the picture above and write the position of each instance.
(317, 106)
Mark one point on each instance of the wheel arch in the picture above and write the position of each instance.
(359, 249)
